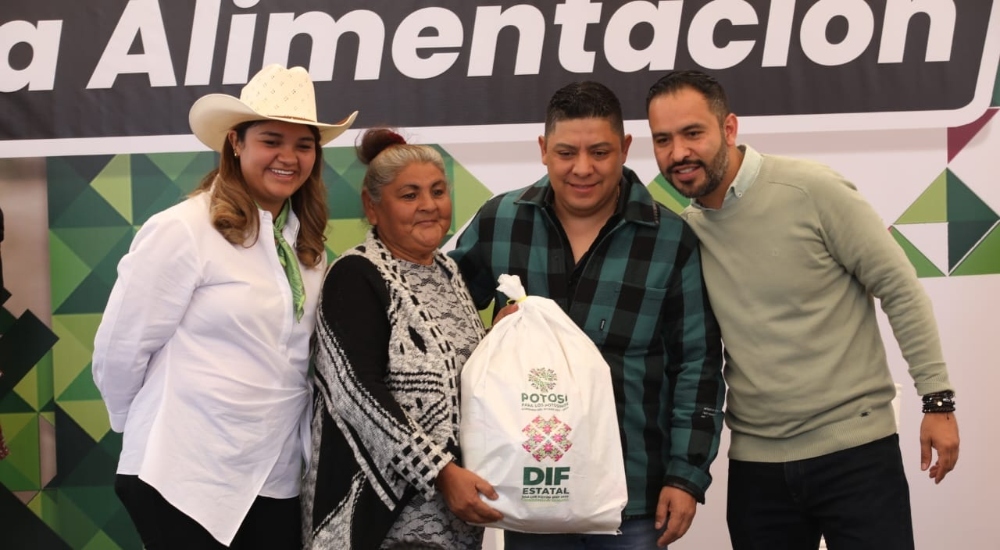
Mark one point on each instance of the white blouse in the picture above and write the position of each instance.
(201, 363)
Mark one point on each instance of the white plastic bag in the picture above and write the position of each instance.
(539, 422)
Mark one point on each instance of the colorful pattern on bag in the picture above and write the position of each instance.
(547, 438)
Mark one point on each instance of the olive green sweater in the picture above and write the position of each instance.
(791, 268)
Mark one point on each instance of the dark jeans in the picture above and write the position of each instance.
(271, 523)
(858, 499)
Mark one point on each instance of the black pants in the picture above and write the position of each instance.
(270, 524)
(858, 499)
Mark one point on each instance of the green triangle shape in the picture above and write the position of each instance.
(173, 165)
(89, 467)
(167, 197)
(43, 370)
(340, 158)
(71, 523)
(102, 541)
(27, 390)
(69, 177)
(341, 235)
(121, 529)
(21, 433)
(12, 479)
(92, 416)
(152, 190)
(984, 259)
(98, 502)
(924, 267)
(962, 236)
(89, 293)
(468, 195)
(996, 91)
(114, 183)
(449, 162)
(343, 198)
(14, 403)
(81, 389)
(81, 328)
(46, 506)
(197, 171)
(15, 423)
(111, 443)
(665, 194)
(66, 269)
(35, 504)
(92, 244)
(89, 296)
(71, 354)
(931, 206)
(964, 205)
(186, 175)
(89, 209)
(106, 270)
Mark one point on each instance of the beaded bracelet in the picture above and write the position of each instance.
(939, 402)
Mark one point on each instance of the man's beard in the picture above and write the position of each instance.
(714, 173)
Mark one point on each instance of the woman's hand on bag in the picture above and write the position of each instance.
(505, 311)
(461, 489)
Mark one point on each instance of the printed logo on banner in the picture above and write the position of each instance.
(548, 439)
(544, 380)
(950, 231)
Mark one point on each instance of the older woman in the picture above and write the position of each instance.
(396, 324)
(203, 352)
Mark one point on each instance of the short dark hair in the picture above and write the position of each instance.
(696, 80)
(586, 99)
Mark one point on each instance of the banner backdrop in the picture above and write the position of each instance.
(899, 95)
(130, 69)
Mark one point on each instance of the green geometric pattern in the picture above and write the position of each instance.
(664, 193)
(96, 205)
(996, 92)
(971, 224)
(973, 231)
(925, 268)
(343, 175)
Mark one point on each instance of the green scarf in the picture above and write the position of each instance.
(290, 261)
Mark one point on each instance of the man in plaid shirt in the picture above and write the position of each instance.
(628, 272)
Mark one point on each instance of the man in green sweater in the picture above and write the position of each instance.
(793, 257)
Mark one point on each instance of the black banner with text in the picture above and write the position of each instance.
(122, 69)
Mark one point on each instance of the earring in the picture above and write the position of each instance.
(236, 154)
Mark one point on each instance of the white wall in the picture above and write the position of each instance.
(24, 200)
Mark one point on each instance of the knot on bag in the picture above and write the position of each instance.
(511, 286)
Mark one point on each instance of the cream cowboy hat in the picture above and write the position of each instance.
(274, 93)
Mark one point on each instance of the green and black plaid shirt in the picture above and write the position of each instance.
(639, 294)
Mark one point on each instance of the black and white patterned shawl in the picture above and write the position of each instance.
(371, 463)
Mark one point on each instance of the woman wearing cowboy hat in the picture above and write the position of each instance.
(203, 351)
